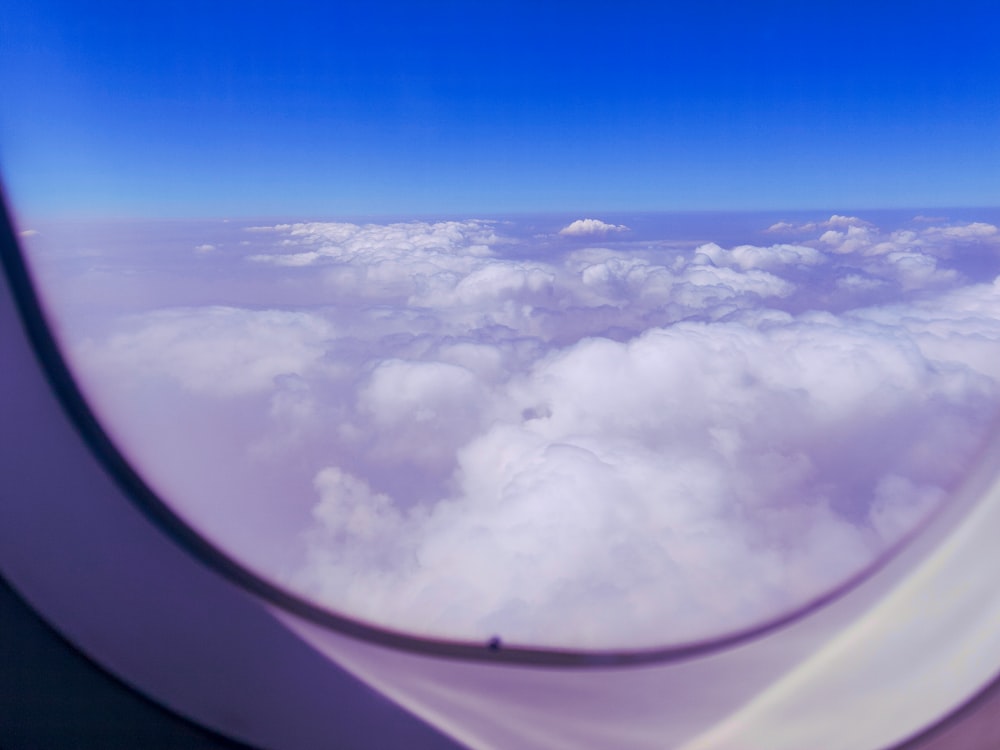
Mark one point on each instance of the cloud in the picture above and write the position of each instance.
(854, 282)
(849, 240)
(469, 431)
(782, 226)
(28, 233)
(747, 257)
(368, 244)
(204, 248)
(212, 351)
(644, 477)
(587, 227)
(835, 222)
(975, 231)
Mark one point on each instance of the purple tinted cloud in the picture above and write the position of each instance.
(618, 444)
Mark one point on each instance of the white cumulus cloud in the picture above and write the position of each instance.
(585, 227)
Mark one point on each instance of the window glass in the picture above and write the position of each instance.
(476, 325)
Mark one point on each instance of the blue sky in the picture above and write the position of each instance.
(327, 109)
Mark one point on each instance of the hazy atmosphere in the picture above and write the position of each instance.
(571, 433)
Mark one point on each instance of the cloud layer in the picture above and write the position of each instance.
(620, 444)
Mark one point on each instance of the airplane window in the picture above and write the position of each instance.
(562, 334)
(622, 430)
